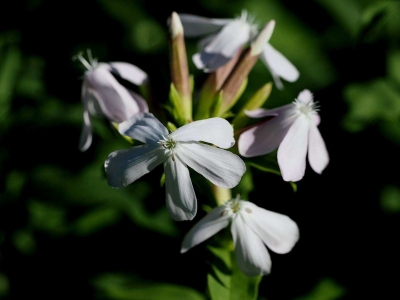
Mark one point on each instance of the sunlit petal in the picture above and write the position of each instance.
(216, 131)
(195, 25)
(181, 199)
(293, 150)
(209, 225)
(317, 153)
(129, 72)
(125, 166)
(221, 167)
(251, 254)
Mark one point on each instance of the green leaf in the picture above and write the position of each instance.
(226, 281)
(326, 289)
(95, 220)
(130, 287)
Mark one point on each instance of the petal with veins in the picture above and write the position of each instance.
(278, 232)
(216, 131)
(181, 199)
(221, 167)
(209, 225)
(293, 150)
(143, 127)
(125, 166)
(252, 256)
(195, 25)
(317, 153)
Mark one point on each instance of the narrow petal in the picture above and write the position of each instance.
(86, 135)
(216, 131)
(224, 46)
(143, 127)
(251, 254)
(209, 225)
(195, 25)
(221, 167)
(262, 112)
(129, 72)
(305, 96)
(115, 101)
(317, 153)
(267, 136)
(141, 103)
(279, 64)
(278, 232)
(181, 199)
(125, 166)
(293, 150)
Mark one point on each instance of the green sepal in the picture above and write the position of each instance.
(176, 101)
(256, 101)
(222, 108)
(225, 280)
(162, 180)
(217, 104)
(171, 127)
(191, 83)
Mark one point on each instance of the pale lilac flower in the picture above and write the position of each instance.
(293, 130)
(224, 37)
(252, 229)
(103, 95)
(176, 151)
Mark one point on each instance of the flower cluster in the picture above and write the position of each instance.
(228, 52)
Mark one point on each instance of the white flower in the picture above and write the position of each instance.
(176, 151)
(252, 227)
(293, 129)
(102, 94)
(224, 37)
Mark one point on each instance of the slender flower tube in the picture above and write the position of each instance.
(102, 94)
(176, 151)
(252, 228)
(293, 130)
(224, 37)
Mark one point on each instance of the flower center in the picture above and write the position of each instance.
(90, 64)
(248, 20)
(168, 144)
(307, 109)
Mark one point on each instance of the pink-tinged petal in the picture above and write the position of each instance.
(215, 131)
(209, 225)
(317, 154)
(262, 112)
(129, 72)
(115, 101)
(125, 166)
(251, 254)
(86, 135)
(305, 96)
(221, 167)
(293, 150)
(223, 47)
(181, 199)
(316, 118)
(265, 137)
(279, 65)
(278, 232)
(143, 127)
(141, 103)
(195, 25)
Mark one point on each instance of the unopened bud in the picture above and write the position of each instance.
(257, 46)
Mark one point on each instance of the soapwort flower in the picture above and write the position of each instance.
(225, 37)
(176, 151)
(293, 130)
(252, 229)
(103, 95)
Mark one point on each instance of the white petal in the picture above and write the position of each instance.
(125, 166)
(115, 101)
(305, 96)
(223, 47)
(317, 153)
(181, 199)
(278, 64)
(196, 25)
(251, 254)
(267, 136)
(293, 150)
(221, 167)
(277, 231)
(143, 127)
(141, 103)
(209, 225)
(216, 131)
(129, 72)
(86, 135)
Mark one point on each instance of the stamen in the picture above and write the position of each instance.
(89, 65)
